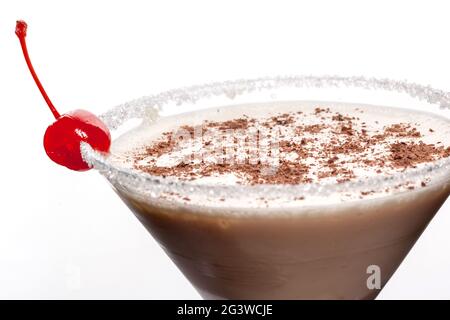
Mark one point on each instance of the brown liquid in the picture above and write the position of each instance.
(309, 250)
(318, 253)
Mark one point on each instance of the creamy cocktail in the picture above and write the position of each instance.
(306, 245)
(272, 196)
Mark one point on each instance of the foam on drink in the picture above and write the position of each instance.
(294, 142)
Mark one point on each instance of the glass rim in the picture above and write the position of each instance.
(148, 107)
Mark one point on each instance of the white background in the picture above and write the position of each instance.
(66, 234)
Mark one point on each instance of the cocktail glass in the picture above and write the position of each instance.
(345, 250)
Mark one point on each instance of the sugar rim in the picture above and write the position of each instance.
(147, 107)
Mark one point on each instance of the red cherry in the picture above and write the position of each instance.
(62, 139)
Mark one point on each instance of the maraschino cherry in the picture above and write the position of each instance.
(62, 138)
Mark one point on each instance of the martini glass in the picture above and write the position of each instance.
(345, 250)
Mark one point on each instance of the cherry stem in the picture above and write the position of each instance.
(21, 32)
